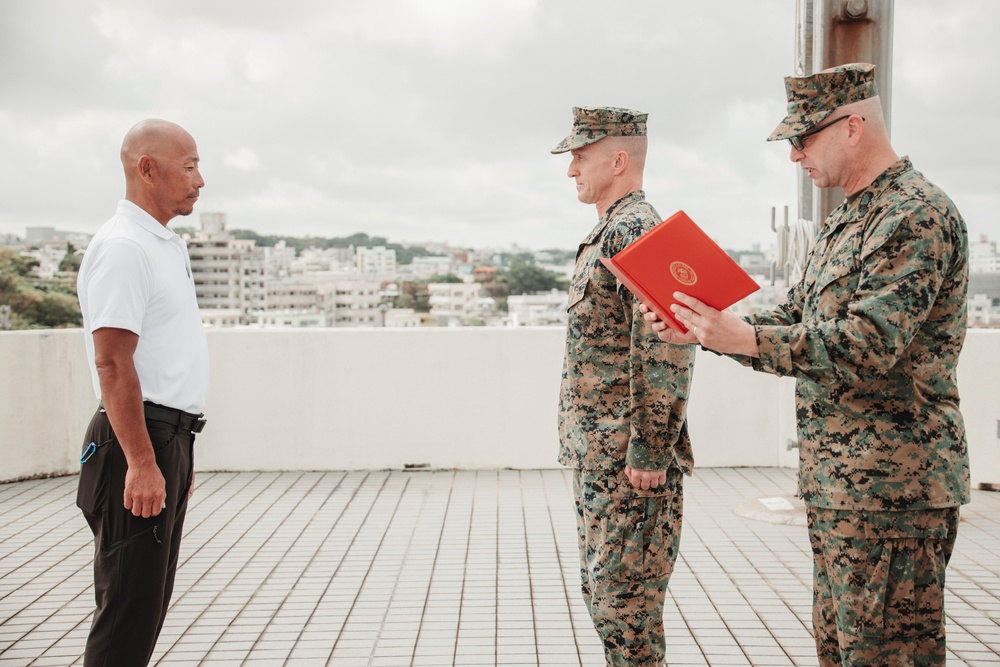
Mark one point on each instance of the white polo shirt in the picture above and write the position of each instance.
(136, 275)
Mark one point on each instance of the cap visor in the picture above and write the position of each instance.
(574, 141)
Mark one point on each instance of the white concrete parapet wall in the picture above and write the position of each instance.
(333, 399)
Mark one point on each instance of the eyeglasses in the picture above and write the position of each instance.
(796, 141)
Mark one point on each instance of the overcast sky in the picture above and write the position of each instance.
(433, 119)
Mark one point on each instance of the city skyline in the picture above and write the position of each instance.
(434, 122)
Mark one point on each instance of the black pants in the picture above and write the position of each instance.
(135, 559)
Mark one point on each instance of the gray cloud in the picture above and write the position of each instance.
(433, 120)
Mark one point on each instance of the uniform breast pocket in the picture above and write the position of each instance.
(835, 276)
(95, 472)
(577, 290)
(845, 275)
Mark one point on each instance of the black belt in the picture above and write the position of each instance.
(184, 421)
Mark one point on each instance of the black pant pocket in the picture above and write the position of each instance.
(95, 471)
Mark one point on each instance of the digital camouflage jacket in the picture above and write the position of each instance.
(624, 392)
(872, 335)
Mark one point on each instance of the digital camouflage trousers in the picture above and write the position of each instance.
(878, 586)
(629, 539)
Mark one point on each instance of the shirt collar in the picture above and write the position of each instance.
(634, 196)
(859, 201)
(147, 222)
(602, 222)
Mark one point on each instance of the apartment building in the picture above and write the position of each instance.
(229, 274)
(454, 303)
(355, 303)
(543, 309)
(378, 262)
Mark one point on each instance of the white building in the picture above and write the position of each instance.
(294, 295)
(401, 318)
(278, 260)
(983, 311)
(291, 318)
(228, 273)
(355, 303)
(312, 260)
(541, 309)
(983, 257)
(377, 262)
(423, 268)
(48, 255)
(453, 303)
(221, 317)
(40, 234)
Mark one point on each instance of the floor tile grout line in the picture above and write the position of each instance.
(407, 551)
(737, 586)
(208, 607)
(8, 556)
(35, 485)
(77, 596)
(565, 476)
(430, 580)
(465, 565)
(745, 581)
(354, 496)
(374, 556)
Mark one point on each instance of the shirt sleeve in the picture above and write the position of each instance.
(659, 383)
(118, 287)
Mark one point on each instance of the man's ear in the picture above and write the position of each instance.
(856, 129)
(620, 163)
(146, 166)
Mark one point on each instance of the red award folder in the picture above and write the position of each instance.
(677, 256)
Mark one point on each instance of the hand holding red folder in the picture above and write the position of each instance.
(677, 256)
(715, 329)
(668, 333)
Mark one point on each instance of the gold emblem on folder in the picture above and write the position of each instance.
(684, 274)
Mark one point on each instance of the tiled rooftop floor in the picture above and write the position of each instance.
(443, 568)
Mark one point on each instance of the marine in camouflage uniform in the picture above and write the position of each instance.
(622, 407)
(872, 335)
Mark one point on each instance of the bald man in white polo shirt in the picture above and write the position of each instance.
(149, 362)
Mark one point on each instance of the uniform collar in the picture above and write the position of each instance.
(857, 204)
(630, 198)
(139, 216)
(634, 196)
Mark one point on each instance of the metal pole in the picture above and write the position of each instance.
(837, 32)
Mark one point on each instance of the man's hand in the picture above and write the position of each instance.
(664, 331)
(645, 479)
(717, 330)
(145, 490)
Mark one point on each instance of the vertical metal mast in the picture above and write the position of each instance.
(836, 32)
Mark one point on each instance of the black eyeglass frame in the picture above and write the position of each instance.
(796, 141)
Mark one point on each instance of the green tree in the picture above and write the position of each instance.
(404, 301)
(14, 264)
(523, 277)
(444, 278)
(71, 260)
(51, 311)
(35, 304)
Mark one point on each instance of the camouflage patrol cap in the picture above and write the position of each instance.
(592, 124)
(812, 98)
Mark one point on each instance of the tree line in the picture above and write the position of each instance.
(36, 303)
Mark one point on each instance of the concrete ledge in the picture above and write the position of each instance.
(376, 399)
